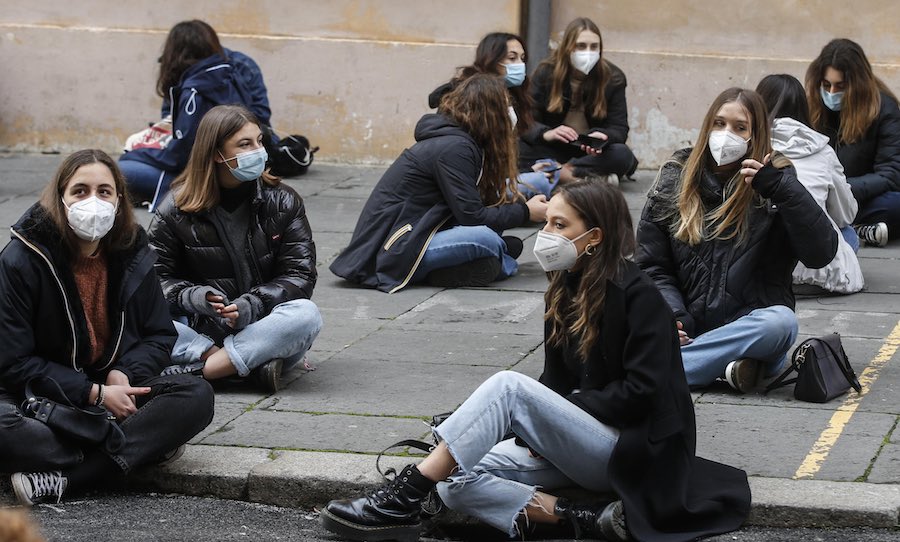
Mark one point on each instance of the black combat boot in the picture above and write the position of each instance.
(391, 512)
(584, 517)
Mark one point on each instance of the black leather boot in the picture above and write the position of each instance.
(592, 520)
(391, 512)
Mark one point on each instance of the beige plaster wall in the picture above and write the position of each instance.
(354, 75)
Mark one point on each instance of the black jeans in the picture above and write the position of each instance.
(616, 158)
(177, 408)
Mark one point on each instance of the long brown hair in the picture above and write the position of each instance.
(479, 106)
(124, 230)
(188, 42)
(197, 188)
(491, 51)
(728, 220)
(599, 205)
(862, 98)
(593, 89)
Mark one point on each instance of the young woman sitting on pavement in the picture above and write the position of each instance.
(720, 234)
(438, 213)
(611, 413)
(236, 257)
(195, 74)
(820, 171)
(501, 53)
(860, 116)
(578, 92)
(83, 307)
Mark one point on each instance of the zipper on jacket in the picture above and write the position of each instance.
(118, 342)
(419, 259)
(62, 291)
(397, 235)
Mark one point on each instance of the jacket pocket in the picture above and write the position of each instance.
(403, 230)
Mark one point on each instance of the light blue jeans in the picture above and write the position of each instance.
(146, 182)
(287, 333)
(496, 478)
(851, 237)
(765, 334)
(461, 244)
(532, 183)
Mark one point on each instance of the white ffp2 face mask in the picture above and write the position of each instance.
(584, 61)
(91, 218)
(726, 147)
(556, 252)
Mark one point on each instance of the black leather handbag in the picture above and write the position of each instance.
(92, 425)
(823, 370)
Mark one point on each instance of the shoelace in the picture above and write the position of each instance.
(47, 484)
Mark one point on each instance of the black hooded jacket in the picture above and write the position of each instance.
(43, 325)
(431, 186)
(718, 281)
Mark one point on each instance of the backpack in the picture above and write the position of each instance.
(290, 156)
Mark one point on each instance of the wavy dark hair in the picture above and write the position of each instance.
(862, 99)
(479, 106)
(188, 42)
(602, 206)
(124, 230)
(784, 96)
(491, 51)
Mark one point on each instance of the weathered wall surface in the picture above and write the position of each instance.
(354, 75)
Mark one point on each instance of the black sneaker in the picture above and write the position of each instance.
(391, 512)
(514, 246)
(195, 368)
(584, 517)
(268, 375)
(36, 487)
(612, 523)
(171, 456)
(873, 235)
(480, 272)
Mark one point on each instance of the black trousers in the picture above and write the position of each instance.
(616, 158)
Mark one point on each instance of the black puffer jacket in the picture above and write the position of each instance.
(614, 124)
(872, 164)
(279, 245)
(719, 281)
(43, 325)
(432, 185)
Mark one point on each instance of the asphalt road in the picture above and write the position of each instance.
(140, 518)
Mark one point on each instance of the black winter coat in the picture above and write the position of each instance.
(43, 325)
(431, 186)
(279, 246)
(718, 281)
(872, 164)
(633, 380)
(614, 124)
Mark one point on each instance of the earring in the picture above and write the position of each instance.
(589, 250)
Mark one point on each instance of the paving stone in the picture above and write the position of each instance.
(330, 432)
(361, 303)
(876, 323)
(225, 412)
(440, 347)
(341, 330)
(330, 214)
(381, 387)
(887, 467)
(479, 311)
(857, 447)
(328, 246)
(531, 365)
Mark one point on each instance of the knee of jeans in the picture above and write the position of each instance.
(505, 379)
(781, 320)
(304, 314)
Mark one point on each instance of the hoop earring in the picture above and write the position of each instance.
(589, 250)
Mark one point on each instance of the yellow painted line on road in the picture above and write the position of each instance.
(819, 451)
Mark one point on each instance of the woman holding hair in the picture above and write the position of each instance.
(501, 53)
(859, 114)
(83, 307)
(438, 213)
(820, 171)
(722, 229)
(236, 257)
(578, 92)
(611, 412)
(195, 74)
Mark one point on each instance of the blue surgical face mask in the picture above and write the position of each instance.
(250, 164)
(515, 74)
(832, 100)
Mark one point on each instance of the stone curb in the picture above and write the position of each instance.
(310, 479)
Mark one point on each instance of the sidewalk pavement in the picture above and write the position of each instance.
(386, 363)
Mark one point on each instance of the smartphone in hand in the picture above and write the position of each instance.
(584, 139)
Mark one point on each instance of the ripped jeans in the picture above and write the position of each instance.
(497, 478)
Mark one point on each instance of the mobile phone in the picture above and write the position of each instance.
(584, 139)
(557, 167)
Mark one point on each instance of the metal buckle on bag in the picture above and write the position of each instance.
(800, 358)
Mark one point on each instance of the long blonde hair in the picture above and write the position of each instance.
(197, 188)
(861, 103)
(728, 220)
(594, 86)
